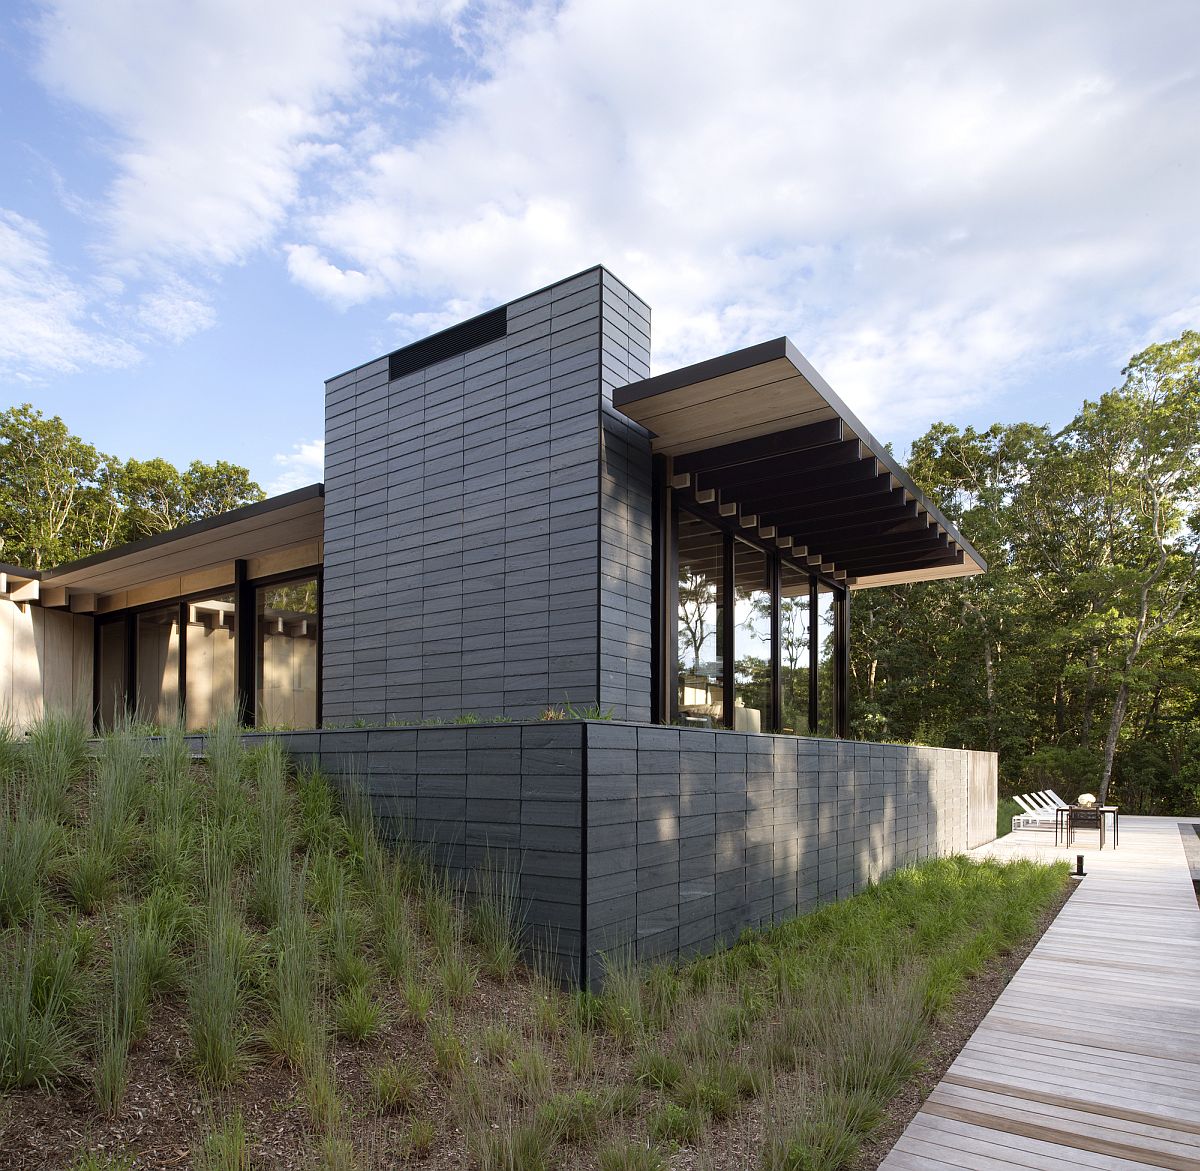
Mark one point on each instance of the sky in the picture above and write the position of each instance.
(970, 212)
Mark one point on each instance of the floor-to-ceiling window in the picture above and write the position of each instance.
(759, 635)
(700, 665)
(286, 655)
(795, 624)
(157, 659)
(210, 659)
(753, 622)
(182, 657)
(825, 629)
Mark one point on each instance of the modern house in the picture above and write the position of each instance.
(517, 522)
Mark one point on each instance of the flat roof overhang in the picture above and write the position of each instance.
(279, 530)
(761, 436)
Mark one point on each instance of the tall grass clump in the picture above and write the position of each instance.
(217, 991)
(226, 1147)
(225, 755)
(293, 1026)
(273, 858)
(172, 812)
(11, 754)
(122, 1018)
(28, 842)
(497, 922)
(105, 839)
(38, 991)
(55, 760)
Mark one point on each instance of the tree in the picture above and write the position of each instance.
(55, 490)
(1140, 446)
(61, 499)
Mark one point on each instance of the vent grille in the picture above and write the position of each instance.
(458, 339)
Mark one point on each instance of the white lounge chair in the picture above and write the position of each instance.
(1034, 816)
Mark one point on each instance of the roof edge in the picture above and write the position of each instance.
(246, 512)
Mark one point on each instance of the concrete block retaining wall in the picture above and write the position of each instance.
(669, 841)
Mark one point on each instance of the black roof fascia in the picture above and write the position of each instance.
(246, 512)
(18, 571)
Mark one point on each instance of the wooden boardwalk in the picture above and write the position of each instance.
(1091, 1056)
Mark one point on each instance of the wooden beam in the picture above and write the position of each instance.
(850, 510)
(771, 471)
(706, 496)
(683, 481)
(28, 592)
(826, 491)
(795, 439)
(83, 603)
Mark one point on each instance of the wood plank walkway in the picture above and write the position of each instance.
(1091, 1056)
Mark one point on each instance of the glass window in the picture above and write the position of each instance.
(210, 663)
(700, 671)
(795, 615)
(752, 639)
(827, 665)
(158, 666)
(286, 655)
(110, 697)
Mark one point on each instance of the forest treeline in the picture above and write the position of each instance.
(1076, 656)
(61, 499)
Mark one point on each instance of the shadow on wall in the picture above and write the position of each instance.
(666, 842)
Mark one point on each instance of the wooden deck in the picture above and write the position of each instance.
(1091, 1056)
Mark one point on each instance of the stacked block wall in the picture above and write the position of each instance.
(486, 543)
(666, 841)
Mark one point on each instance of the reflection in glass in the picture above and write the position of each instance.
(158, 666)
(701, 668)
(752, 639)
(210, 661)
(826, 661)
(794, 621)
(110, 697)
(286, 655)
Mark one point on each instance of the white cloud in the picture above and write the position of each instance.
(929, 198)
(47, 323)
(343, 287)
(303, 465)
(176, 310)
(218, 108)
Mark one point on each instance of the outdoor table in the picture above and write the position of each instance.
(1063, 823)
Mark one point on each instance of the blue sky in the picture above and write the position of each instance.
(970, 212)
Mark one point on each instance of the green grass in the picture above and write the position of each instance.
(252, 916)
(1006, 810)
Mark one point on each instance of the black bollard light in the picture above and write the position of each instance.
(1079, 870)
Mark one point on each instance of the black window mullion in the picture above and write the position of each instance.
(814, 658)
(727, 634)
(843, 663)
(182, 691)
(776, 570)
(244, 632)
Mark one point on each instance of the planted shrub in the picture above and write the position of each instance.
(55, 760)
(27, 849)
(122, 1018)
(216, 992)
(38, 989)
(356, 1014)
(395, 1085)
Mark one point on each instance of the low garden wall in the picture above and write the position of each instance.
(666, 840)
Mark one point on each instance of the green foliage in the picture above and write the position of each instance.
(625, 1155)
(395, 1085)
(27, 849)
(356, 1013)
(1074, 656)
(226, 1147)
(217, 993)
(39, 988)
